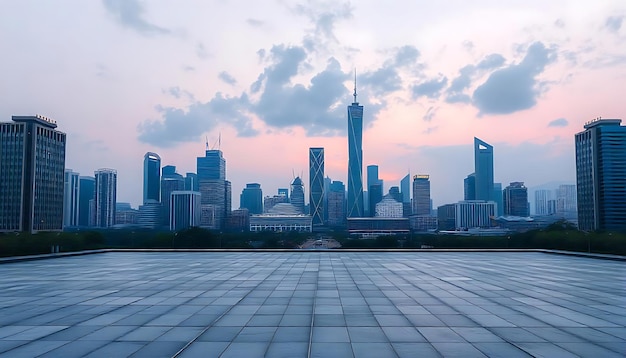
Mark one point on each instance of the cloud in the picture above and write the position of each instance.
(406, 56)
(255, 22)
(514, 88)
(201, 51)
(178, 126)
(102, 70)
(614, 23)
(227, 78)
(559, 23)
(430, 130)
(188, 68)
(559, 122)
(381, 81)
(430, 114)
(492, 61)
(178, 93)
(130, 13)
(455, 92)
(323, 16)
(430, 89)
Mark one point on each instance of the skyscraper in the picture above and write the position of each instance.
(374, 189)
(215, 190)
(297, 194)
(469, 187)
(515, 200)
(483, 170)
(191, 182)
(170, 181)
(355, 158)
(542, 197)
(565, 203)
(601, 175)
(151, 177)
(70, 198)
(421, 195)
(316, 185)
(105, 197)
(211, 166)
(86, 193)
(336, 204)
(252, 198)
(184, 210)
(498, 198)
(32, 164)
(405, 190)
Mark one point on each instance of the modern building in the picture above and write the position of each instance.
(469, 187)
(171, 181)
(337, 204)
(212, 166)
(238, 221)
(446, 217)
(86, 194)
(151, 177)
(150, 215)
(601, 175)
(355, 158)
(389, 207)
(542, 198)
(185, 210)
(270, 201)
(374, 196)
(515, 200)
(474, 214)
(105, 198)
(423, 223)
(71, 194)
(125, 215)
(191, 182)
(498, 198)
(483, 170)
(405, 190)
(373, 227)
(284, 192)
(251, 198)
(297, 194)
(282, 217)
(565, 202)
(316, 185)
(421, 195)
(215, 190)
(32, 165)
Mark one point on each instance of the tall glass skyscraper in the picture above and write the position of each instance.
(405, 190)
(355, 158)
(32, 165)
(105, 197)
(316, 185)
(215, 190)
(297, 194)
(252, 198)
(515, 200)
(421, 195)
(483, 170)
(70, 198)
(151, 177)
(86, 193)
(601, 175)
(337, 204)
(211, 166)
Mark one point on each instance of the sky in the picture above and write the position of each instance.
(263, 81)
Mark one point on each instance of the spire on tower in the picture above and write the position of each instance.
(355, 86)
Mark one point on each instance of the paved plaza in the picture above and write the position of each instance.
(314, 304)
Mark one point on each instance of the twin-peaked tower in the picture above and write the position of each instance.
(355, 158)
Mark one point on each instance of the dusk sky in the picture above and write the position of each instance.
(123, 77)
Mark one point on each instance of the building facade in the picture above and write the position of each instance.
(355, 159)
(86, 193)
(542, 198)
(483, 170)
(601, 175)
(185, 210)
(337, 204)
(421, 195)
(151, 177)
(469, 187)
(316, 185)
(251, 198)
(105, 198)
(32, 165)
(515, 200)
(297, 194)
(71, 194)
(389, 207)
(474, 214)
(405, 190)
(446, 217)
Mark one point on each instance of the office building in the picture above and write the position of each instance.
(32, 165)
(71, 198)
(125, 215)
(337, 204)
(270, 201)
(251, 198)
(421, 195)
(316, 185)
(215, 190)
(498, 198)
(446, 217)
(185, 210)
(327, 183)
(170, 181)
(542, 198)
(282, 217)
(355, 158)
(151, 177)
(374, 196)
(388, 207)
(105, 198)
(191, 182)
(483, 170)
(238, 220)
(601, 175)
(565, 202)
(297, 194)
(284, 192)
(405, 190)
(474, 214)
(150, 215)
(86, 193)
(469, 187)
(212, 166)
(515, 200)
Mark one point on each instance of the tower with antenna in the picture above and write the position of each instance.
(355, 158)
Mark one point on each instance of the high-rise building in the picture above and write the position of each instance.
(86, 193)
(355, 158)
(327, 182)
(150, 215)
(125, 214)
(316, 185)
(498, 198)
(515, 200)
(252, 198)
(469, 187)
(421, 195)
(215, 190)
(191, 182)
(70, 198)
(151, 177)
(405, 190)
(32, 164)
(565, 202)
(388, 207)
(337, 204)
(446, 217)
(185, 210)
(601, 175)
(474, 214)
(284, 192)
(542, 198)
(170, 181)
(374, 196)
(483, 170)
(297, 194)
(394, 191)
(105, 197)
(212, 166)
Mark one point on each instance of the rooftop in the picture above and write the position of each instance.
(322, 304)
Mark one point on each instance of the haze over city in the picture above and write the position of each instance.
(274, 78)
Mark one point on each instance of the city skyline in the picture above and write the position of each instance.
(281, 92)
